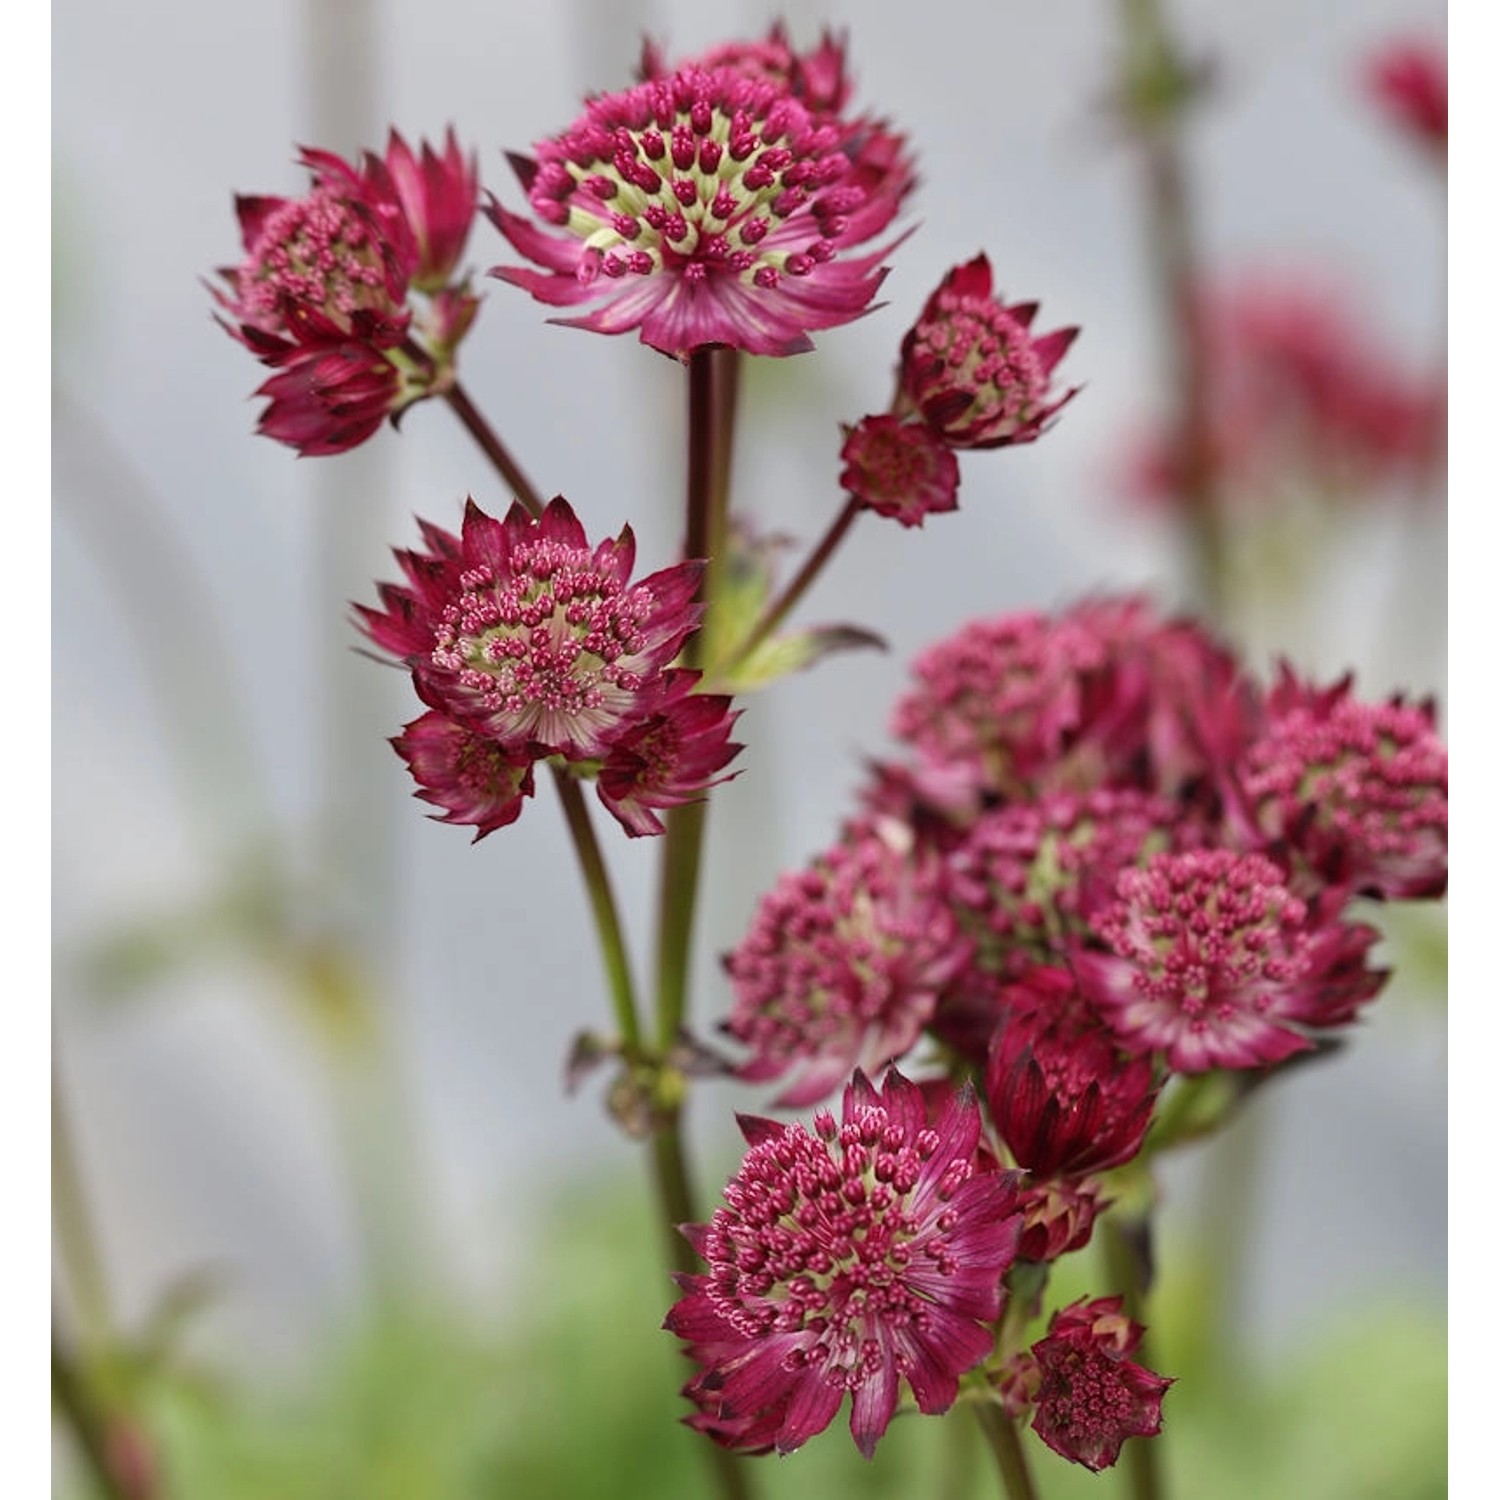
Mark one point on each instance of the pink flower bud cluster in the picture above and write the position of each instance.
(526, 645)
(323, 294)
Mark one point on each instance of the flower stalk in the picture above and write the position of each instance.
(1010, 1458)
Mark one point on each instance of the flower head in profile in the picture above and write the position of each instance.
(1409, 81)
(473, 778)
(843, 964)
(322, 293)
(846, 1259)
(521, 629)
(1352, 793)
(703, 208)
(1091, 1396)
(972, 368)
(1215, 962)
(899, 469)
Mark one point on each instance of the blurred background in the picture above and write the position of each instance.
(315, 1163)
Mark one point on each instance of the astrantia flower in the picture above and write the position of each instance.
(472, 777)
(669, 756)
(1354, 793)
(1057, 1216)
(847, 1258)
(972, 368)
(1091, 1397)
(1409, 80)
(322, 293)
(518, 628)
(1216, 963)
(704, 208)
(1063, 1098)
(899, 469)
(843, 964)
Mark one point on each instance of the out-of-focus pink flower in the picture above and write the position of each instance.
(704, 208)
(1063, 1098)
(669, 756)
(972, 368)
(1215, 962)
(1301, 399)
(847, 1258)
(472, 777)
(1091, 1397)
(322, 294)
(1352, 794)
(1409, 80)
(899, 469)
(519, 628)
(842, 964)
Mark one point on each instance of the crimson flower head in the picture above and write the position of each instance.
(1353, 793)
(843, 964)
(321, 294)
(522, 630)
(703, 208)
(818, 78)
(846, 1259)
(473, 778)
(899, 469)
(1057, 1216)
(972, 368)
(1091, 1396)
(1063, 1098)
(1409, 81)
(1215, 962)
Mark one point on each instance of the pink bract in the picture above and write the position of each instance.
(669, 756)
(972, 368)
(842, 965)
(1215, 963)
(327, 399)
(439, 196)
(1057, 1216)
(1091, 1397)
(847, 1258)
(520, 629)
(899, 469)
(472, 777)
(705, 208)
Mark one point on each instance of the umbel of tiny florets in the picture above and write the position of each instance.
(704, 208)
(528, 644)
(846, 1259)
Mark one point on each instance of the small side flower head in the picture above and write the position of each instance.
(1057, 1216)
(846, 1259)
(472, 777)
(972, 368)
(439, 198)
(1091, 1397)
(703, 208)
(899, 469)
(1215, 962)
(842, 965)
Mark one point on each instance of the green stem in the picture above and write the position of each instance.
(80, 1412)
(1156, 88)
(789, 597)
(77, 1244)
(1141, 1455)
(606, 913)
(1005, 1444)
(496, 451)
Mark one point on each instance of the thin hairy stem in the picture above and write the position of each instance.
(1010, 1458)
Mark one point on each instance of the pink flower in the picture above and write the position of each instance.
(322, 294)
(899, 469)
(669, 755)
(472, 777)
(1063, 1098)
(842, 965)
(1409, 81)
(1057, 1216)
(1091, 1397)
(704, 208)
(846, 1259)
(520, 630)
(1217, 964)
(972, 368)
(1356, 794)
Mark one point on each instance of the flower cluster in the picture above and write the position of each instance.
(527, 645)
(323, 295)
